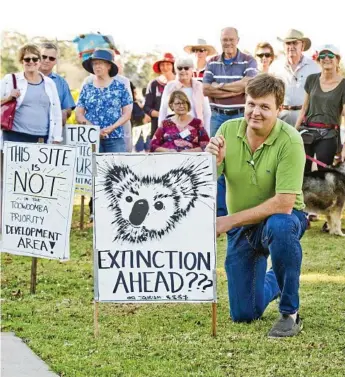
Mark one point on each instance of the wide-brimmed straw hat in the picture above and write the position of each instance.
(101, 54)
(200, 44)
(296, 35)
(167, 57)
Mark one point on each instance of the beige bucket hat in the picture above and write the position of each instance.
(296, 35)
(201, 43)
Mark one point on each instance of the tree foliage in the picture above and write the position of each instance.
(137, 67)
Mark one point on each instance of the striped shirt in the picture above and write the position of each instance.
(218, 71)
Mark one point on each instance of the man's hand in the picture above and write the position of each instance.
(342, 155)
(223, 224)
(217, 147)
(217, 85)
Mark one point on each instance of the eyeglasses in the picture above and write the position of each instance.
(326, 54)
(185, 68)
(266, 55)
(199, 50)
(28, 60)
(51, 58)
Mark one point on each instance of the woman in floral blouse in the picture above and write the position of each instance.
(105, 102)
(182, 132)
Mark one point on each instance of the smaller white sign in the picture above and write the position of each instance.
(38, 198)
(83, 137)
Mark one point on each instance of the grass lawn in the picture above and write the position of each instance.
(174, 340)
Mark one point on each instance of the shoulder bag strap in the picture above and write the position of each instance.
(14, 80)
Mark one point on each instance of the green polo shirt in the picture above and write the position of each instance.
(277, 166)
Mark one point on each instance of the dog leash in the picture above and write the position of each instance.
(323, 165)
(318, 162)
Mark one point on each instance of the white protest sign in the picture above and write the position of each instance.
(38, 195)
(83, 137)
(154, 228)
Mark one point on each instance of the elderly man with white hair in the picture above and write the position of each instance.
(200, 107)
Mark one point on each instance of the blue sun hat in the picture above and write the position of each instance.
(101, 54)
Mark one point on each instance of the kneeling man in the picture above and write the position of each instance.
(262, 159)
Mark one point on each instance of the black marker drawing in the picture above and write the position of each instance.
(148, 207)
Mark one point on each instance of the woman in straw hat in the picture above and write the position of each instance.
(201, 50)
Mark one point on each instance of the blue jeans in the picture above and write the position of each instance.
(250, 287)
(111, 145)
(20, 137)
(216, 121)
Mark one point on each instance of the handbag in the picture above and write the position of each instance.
(8, 110)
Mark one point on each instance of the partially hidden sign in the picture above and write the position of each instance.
(83, 137)
(154, 228)
(38, 197)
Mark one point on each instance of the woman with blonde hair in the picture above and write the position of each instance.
(264, 55)
(38, 112)
(181, 132)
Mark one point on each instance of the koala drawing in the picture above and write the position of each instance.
(148, 207)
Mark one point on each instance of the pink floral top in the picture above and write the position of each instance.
(169, 136)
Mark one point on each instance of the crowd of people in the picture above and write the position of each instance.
(258, 115)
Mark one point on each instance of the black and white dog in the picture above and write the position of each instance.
(324, 193)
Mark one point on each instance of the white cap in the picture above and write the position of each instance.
(330, 48)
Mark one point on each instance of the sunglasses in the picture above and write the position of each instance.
(28, 60)
(199, 50)
(326, 54)
(266, 55)
(185, 68)
(293, 43)
(51, 58)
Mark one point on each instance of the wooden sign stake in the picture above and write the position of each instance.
(95, 318)
(82, 212)
(33, 278)
(214, 319)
